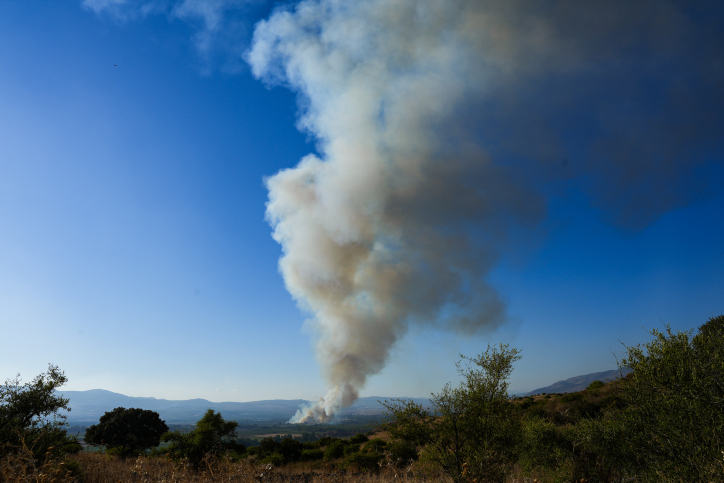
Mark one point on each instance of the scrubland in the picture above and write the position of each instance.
(662, 422)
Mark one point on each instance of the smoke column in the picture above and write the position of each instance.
(441, 125)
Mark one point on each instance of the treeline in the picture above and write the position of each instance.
(663, 422)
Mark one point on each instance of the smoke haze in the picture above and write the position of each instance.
(442, 129)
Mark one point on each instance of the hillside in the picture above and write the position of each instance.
(577, 383)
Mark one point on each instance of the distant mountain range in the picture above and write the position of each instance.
(88, 406)
(578, 383)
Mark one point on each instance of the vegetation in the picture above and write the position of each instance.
(663, 422)
(99, 469)
(32, 430)
(212, 437)
(249, 431)
(471, 432)
(675, 404)
(128, 432)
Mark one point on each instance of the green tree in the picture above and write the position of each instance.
(291, 450)
(335, 449)
(675, 404)
(128, 432)
(29, 415)
(212, 436)
(471, 430)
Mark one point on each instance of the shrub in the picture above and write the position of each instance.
(312, 454)
(351, 448)
(334, 450)
(376, 445)
(274, 459)
(595, 385)
(324, 441)
(268, 446)
(472, 431)
(543, 445)
(290, 450)
(30, 417)
(673, 403)
(600, 450)
(212, 436)
(573, 397)
(365, 461)
(402, 453)
(358, 438)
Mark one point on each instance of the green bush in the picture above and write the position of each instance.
(543, 445)
(290, 450)
(211, 437)
(600, 450)
(402, 453)
(673, 404)
(359, 438)
(268, 446)
(30, 417)
(334, 450)
(351, 448)
(274, 459)
(572, 397)
(376, 445)
(595, 385)
(365, 461)
(324, 441)
(472, 430)
(312, 454)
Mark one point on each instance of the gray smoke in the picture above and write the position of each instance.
(442, 126)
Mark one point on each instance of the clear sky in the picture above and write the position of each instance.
(547, 178)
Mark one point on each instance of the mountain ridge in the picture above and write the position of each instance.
(577, 383)
(88, 406)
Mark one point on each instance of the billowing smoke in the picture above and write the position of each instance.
(443, 128)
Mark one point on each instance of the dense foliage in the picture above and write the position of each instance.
(127, 432)
(470, 432)
(212, 436)
(30, 419)
(675, 404)
(662, 422)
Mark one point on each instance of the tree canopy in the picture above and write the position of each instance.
(675, 403)
(30, 413)
(212, 436)
(127, 431)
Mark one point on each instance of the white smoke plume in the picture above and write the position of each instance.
(441, 127)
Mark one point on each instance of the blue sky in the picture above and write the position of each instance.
(135, 140)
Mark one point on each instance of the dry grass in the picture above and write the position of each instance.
(20, 466)
(98, 468)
